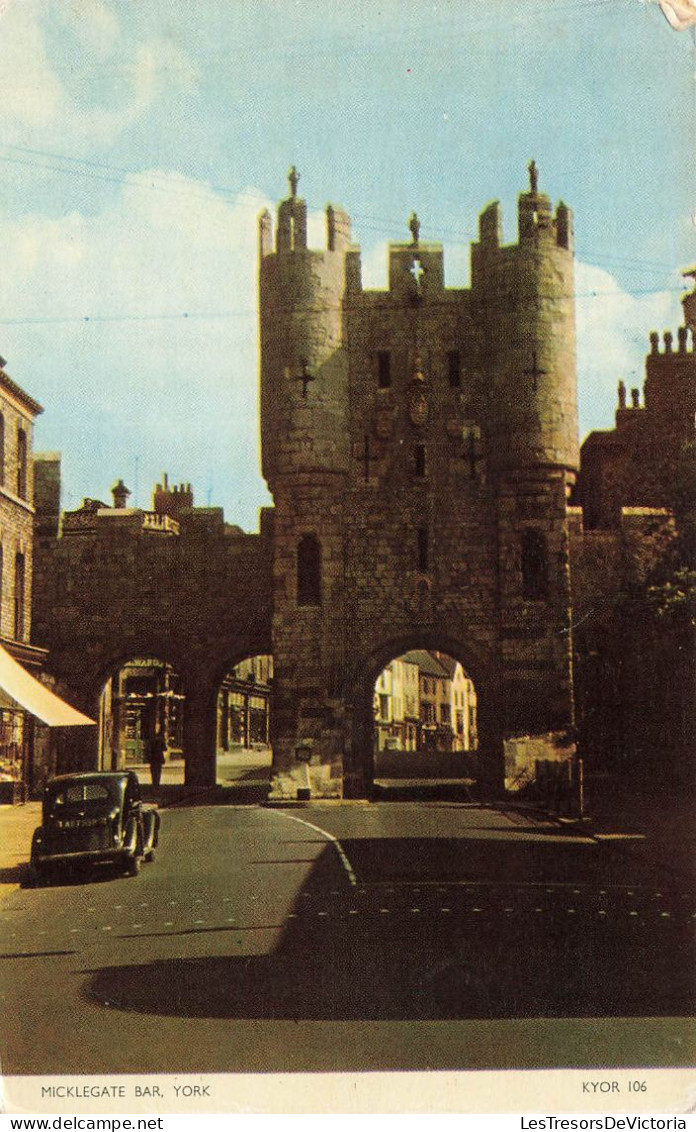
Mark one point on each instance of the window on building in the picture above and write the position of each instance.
(535, 582)
(21, 463)
(383, 369)
(419, 454)
(423, 556)
(454, 369)
(445, 714)
(309, 571)
(19, 596)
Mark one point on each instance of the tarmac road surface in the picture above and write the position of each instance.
(353, 936)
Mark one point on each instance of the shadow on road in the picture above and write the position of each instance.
(439, 929)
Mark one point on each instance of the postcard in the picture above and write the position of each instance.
(347, 557)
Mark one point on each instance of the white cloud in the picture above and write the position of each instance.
(34, 94)
(152, 347)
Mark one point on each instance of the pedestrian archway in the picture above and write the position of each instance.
(142, 706)
(243, 723)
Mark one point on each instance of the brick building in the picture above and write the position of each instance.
(632, 532)
(26, 705)
(638, 462)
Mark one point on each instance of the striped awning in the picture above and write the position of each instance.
(18, 688)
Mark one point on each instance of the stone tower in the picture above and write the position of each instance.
(419, 443)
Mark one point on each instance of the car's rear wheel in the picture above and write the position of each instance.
(133, 865)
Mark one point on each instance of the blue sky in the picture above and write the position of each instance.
(139, 139)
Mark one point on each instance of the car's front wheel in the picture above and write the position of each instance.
(134, 853)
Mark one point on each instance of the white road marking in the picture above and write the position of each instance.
(169, 923)
(107, 928)
(330, 837)
(352, 911)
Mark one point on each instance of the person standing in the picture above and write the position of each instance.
(156, 757)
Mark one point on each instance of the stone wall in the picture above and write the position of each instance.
(200, 601)
(419, 434)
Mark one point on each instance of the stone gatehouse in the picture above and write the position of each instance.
(421, 446)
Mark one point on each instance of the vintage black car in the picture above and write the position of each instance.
(94, 818)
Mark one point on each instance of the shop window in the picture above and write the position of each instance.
(309, 571)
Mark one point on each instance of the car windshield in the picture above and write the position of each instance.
(83, 793)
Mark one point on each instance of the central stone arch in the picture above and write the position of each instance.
(358, 758)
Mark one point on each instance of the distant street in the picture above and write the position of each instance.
(353, 936)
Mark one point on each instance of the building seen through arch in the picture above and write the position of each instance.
(143, 697)
(243, 705)
(425, 701)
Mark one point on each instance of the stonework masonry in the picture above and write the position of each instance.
(419, 435)
(420, 444)
(121, 586)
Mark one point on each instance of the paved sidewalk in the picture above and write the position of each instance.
(17, 824)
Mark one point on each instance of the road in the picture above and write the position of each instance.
(353, 936)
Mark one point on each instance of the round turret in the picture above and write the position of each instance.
(524, 296)
(304, 368)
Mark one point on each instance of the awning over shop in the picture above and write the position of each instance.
(19, 688)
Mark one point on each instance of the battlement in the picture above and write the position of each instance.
(291, 230)
(536, 221)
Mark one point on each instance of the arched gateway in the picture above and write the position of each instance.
(420, 444)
